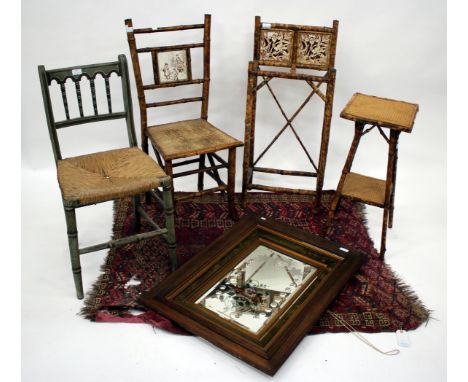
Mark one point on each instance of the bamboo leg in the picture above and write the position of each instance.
(249, 139)
(136, 213)
(231, 184)
(388, 189)
(169, 212)
(215, 172)
(72, 232)
(143, 119)
(358, 127)
(325, 138)
(392, 198)
(201, 174)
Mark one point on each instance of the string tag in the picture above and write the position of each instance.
(76, 72)
(353, 331)
(402, 337)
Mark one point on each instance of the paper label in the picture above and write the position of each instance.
(403, 338)
(77, 72)
(129, 29)
(266, 25)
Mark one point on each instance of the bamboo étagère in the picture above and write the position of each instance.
(379, 113)
(294, 47)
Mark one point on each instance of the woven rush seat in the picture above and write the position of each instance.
(190, 137)
(382, 111)
(107, 175)
(365, 188)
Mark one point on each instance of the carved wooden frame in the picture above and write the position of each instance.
(268, 349)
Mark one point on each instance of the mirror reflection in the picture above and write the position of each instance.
(252, 293)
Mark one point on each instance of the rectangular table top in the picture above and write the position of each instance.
(384, 112)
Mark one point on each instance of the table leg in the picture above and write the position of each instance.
(358, 128)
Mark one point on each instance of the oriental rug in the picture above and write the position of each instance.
(374, 299)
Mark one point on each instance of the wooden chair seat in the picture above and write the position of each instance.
(107, 175)
(187, 138)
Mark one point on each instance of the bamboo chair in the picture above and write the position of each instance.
(108, 175)
(294, 47)
(186, 139)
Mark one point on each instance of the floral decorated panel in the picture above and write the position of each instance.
(275, 45)
(314, 49)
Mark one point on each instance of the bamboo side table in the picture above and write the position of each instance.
(377, 112)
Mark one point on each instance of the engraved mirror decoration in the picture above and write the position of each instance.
(257, 290)
(275, 45)
(173, 66)
(314, 49)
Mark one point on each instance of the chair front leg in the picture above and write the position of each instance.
(170, 226)
(136, 213)
(72, 232)
(201, 174)
(231, 184)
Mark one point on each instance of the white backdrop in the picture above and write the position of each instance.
(391, 49)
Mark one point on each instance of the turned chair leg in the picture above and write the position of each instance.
(170, 226)
(136, 213)
(72, 232)
(231, 184)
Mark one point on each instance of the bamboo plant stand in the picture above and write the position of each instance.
(377, 112)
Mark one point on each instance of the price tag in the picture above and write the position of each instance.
(129, 29)
(266, 25)
(77, 72)
(403, 338)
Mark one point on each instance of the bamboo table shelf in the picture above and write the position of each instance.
(397, 116)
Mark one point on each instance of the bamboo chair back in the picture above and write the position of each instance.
(172, 66)
(77, 74)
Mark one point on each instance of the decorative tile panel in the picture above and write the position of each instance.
(172, 66)
(314, 49)
(275, 45)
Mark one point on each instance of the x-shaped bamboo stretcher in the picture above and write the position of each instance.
(315, 90)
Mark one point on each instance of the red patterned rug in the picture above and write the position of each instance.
(374, 299)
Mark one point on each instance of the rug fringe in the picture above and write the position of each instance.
(418, 307)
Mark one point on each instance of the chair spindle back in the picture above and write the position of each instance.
(77, 74)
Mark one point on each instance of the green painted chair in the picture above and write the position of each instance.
(107, 175)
